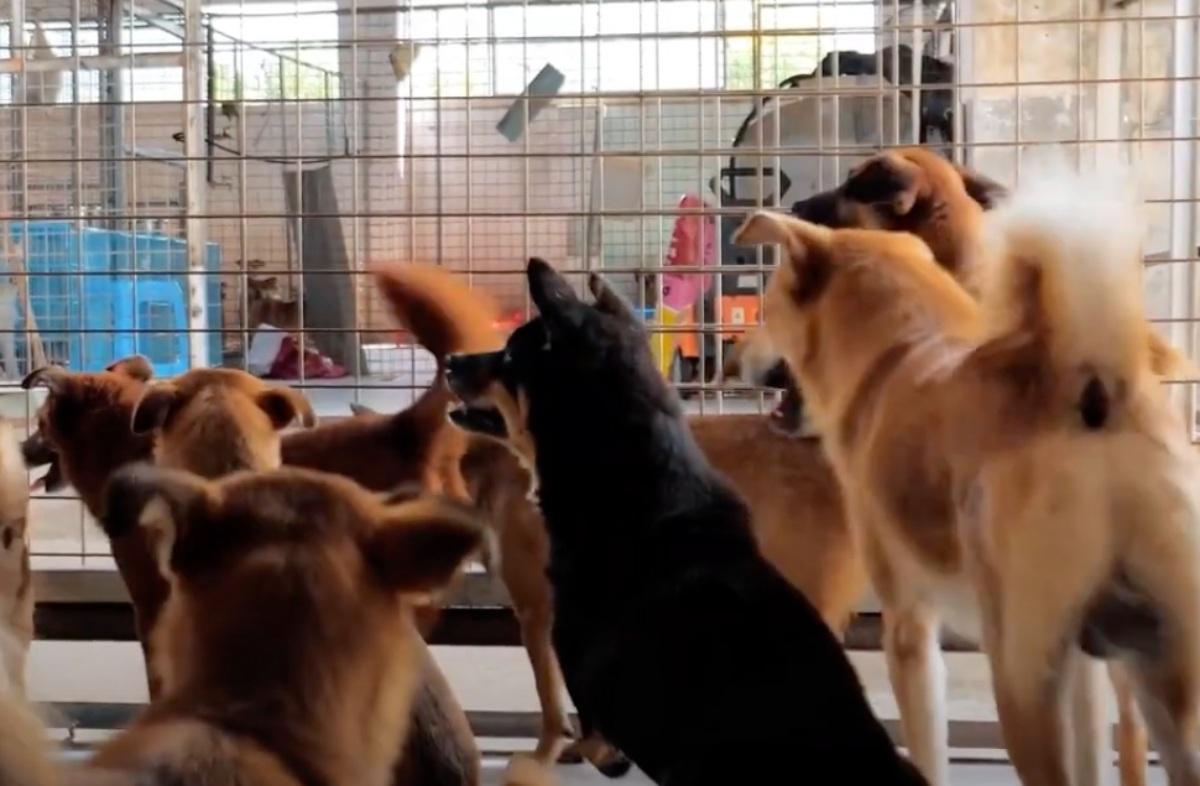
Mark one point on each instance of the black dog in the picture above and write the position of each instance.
(677, 640)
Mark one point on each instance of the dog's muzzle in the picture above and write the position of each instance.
(480, 420)
(823, 208)
(470, 376)
(36, 451)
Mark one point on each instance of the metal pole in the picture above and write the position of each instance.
(195, 184)
(112, 127)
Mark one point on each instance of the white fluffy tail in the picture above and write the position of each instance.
(1071, 274)
(24, 749)
(526, 771)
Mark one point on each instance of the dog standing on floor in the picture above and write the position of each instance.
(914, 190)
(419, 445)
(1016, 466)
(677, 639)
(86, 432)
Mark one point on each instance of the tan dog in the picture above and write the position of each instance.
(85, 431)
(1027, 460)
(16, 584)
(914, 190)
(213, 421)
(287, 648)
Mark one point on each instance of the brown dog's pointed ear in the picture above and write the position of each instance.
(985, 191)
(886, 179)
(52, 377)
(357, 409)
(283, 405)
(421, 544)
(167, 501)
(806, 245)
(607, 299)
(801, 239)
(135, 367)
(154, 408)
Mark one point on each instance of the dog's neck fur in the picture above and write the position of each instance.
(628, 474)
(841, 377)
(329, 718)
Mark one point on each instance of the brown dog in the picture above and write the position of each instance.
(954, 507)
(310, 581)
(85, 433)
(214, 421)
(418, 445)
(265, 304)
(914, 190)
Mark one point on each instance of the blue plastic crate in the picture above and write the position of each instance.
(90, 288)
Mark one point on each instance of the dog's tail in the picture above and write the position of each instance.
(439, 309)
(24, 752)
(1064, 307)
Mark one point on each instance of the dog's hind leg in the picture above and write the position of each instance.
(1167, 697)
(1028, 651)
(548, 680)
(918, 675)
(1131, 731)
(1091, 728)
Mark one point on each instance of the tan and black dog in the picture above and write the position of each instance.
(85, 433)
(288, 647)
(1014, 466)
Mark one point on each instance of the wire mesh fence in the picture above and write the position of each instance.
(176, 174)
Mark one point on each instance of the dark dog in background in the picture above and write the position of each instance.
(677, 639)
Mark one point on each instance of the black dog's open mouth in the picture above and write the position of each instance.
(480, 420)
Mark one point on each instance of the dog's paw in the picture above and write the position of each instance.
(526, 771)
(571, 754)
(613, 764)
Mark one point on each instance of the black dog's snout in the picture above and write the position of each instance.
(470, 374)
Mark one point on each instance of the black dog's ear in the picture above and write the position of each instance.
(607, 299)
(886, 179)
(987, 192)
(556, 301)
(480, 420)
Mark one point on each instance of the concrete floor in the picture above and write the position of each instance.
(981, 774)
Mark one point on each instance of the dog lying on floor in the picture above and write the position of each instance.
(1058, 509)
(327, 654)
(86, 433)
(680, 643)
